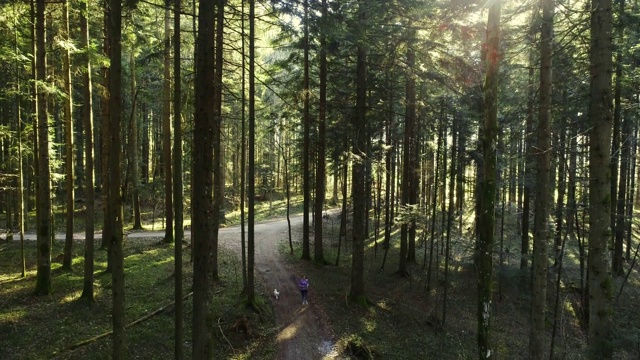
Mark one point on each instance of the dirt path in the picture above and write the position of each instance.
(302, 333)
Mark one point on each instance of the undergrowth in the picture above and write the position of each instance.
(46, 327)
(407, 317)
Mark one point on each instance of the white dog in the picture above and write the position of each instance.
(276, 294)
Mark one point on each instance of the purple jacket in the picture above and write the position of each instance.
(304, 284)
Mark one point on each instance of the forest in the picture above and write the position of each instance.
(456, 178)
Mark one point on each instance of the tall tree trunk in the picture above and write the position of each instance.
(318, 255)
(218, 158)
(104, 140)
(562, 187)
(388, 185)
(434, 204)
(43, 208)
(599, 275)
(68, 127)
(358, 174)
(20, 180)
(306, 179)
(620, 126)
(450, 214)
(484, 246)
(202, 199)
(571, 181)
(133, 151)
(177, 182)
(528, 167)
(632, 182)
(407, 161)
(537, 336)
(166, 126)
(87, 119)
(243, 160)
(145, 138)
(115, 197)
(251, 192)
(34, 106)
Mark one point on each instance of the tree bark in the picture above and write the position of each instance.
(43, 195)
(115, 196)
(528, 168)
(251, 192)
(104, 141)
(202, 199)
(133, 151)
(484, 246)
(218, 155)
(357, 293)
(306, 179)
(68, 129)
(599, 266)
(318, 255)
(87, 119)
(618, 203)
(166, 127)
(177, 183)
(537, 336)
(407, 247)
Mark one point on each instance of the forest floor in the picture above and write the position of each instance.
(301, 331)
(409, 317)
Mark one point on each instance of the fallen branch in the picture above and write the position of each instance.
(146, 317)
(635, 256)
(225, 337)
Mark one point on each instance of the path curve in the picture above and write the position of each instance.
(302, 333)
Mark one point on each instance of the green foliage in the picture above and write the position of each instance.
(62, 320)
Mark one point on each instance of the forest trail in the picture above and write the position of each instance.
(302, 333)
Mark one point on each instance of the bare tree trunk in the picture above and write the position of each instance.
(243, 160)
(306, 191)
(450, 214)
(115, 197)
(87, 118)
(43, 208)
(528, 166)
(388, 186)
(434, 205)
(618, 203)
(561, 189)
(343, 214)
(407, 163)
(133, 151)
(145, 138)
(600, 281)
(484, 246)
(632, 187)
(68, 127)
(537, 335)
(318, 255)
(104, 142)
(177, 183)
(357, 293)
(251, 193)
(202, 199)
(166, 126)
(218, 158)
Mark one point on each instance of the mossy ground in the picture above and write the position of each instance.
(47, 326)
(405, 320)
